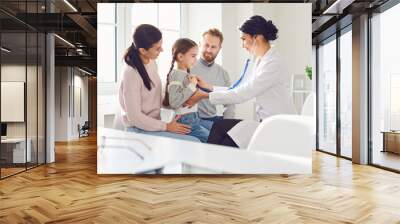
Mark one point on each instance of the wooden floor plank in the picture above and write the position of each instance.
(70, 191)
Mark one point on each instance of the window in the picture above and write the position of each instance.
(327, 96)
(346, 93)
(333, 137)
(167, 18)
(106, 42)
(395, 101)
(22, 76)
(385, 85)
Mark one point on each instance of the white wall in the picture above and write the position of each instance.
(33, 126)
(61, 103)
(80, 83)
(233, 15)
(16, 72)
(294, 41)
(199, 17)
(68, 82)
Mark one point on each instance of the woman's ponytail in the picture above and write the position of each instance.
(270, 31)
(259, 25)
(133, 59)
(145, 36)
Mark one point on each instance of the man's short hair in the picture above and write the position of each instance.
(215, 32)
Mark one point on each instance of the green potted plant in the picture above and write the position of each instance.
(308, 71)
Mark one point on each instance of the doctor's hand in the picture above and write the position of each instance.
(196, 97)
(204, 84)
(177, 127)
(193, 79)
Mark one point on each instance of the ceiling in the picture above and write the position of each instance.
(76, 26)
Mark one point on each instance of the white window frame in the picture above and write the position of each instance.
(115, 24)
(129, 27)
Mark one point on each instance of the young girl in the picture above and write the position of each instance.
(181, 86)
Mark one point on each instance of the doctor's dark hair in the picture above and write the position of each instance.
(259, 25)
(145, 36)
(181, 46)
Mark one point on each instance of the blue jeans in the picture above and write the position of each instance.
(208, 122)
(164, 134)
(197, 130)
(213, 119)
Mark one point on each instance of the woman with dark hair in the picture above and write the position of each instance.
(269, 84)
(140, 94)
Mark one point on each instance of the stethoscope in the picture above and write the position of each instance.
(241, 77)
(234, 85)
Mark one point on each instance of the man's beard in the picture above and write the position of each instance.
(209, 57)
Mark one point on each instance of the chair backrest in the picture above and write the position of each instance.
(86, 125)
(117, 123)
(310, 110)
(309, 105)
(166, 116)
(284, 134)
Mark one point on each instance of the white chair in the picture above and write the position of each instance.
(309, 105)
(288, 134)
(310, 109)
(166, 116)
(284, 134)
(117, 123)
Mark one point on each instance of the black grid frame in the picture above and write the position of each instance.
(35, 32)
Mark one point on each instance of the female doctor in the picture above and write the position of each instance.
(269, 84)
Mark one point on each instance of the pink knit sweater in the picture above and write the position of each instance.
(141, 107)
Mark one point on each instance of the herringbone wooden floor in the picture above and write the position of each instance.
(70, 191)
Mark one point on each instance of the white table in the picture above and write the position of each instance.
(121, 152)
(18, 149)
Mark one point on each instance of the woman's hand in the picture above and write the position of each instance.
(193, 79)
(177, 127)
(203, 84)
(196, 97)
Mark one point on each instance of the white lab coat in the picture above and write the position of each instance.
(269, 84)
